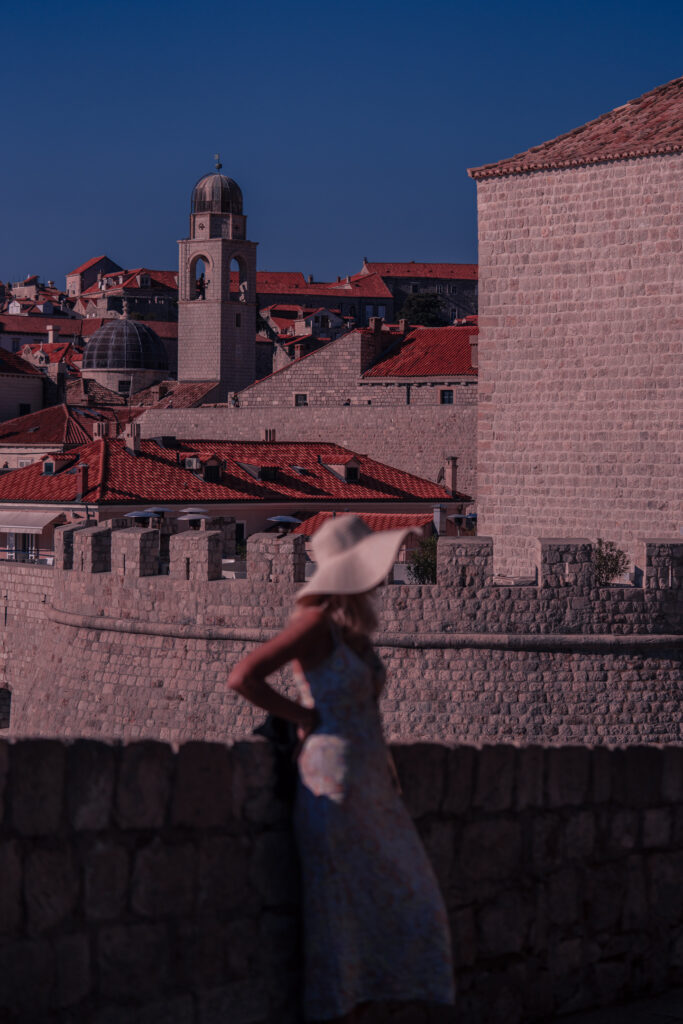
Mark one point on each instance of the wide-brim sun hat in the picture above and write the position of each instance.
(350, 557)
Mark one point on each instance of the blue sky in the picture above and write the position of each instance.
(348, 126)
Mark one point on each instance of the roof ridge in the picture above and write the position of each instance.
(512, 164)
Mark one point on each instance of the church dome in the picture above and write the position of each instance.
(125, 345)
(214, 193)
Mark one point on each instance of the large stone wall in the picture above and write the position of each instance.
(104, 647)
(143, 884)
(416, 438)
(580, 355)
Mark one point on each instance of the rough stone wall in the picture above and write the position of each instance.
(119, 654)
(580, 355)
(414, 438)
(140, 883)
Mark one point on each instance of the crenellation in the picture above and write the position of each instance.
(92, 549)
(196, 556)
(664, 564)
(565, 563)
(135, 552)
(464, 562)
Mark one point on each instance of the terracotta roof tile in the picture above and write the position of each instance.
(377, 521)
(650, 125)
(450, 271)
(87, 265)
(60, 424)
(157, 473)
(428, 352)
(14, 364)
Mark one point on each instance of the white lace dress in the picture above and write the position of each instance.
(375, 926)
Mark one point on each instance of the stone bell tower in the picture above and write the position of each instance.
(217, 289)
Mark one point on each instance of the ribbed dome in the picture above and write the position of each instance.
(214, 193)
(125, 345)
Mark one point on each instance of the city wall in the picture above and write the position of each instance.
(580, 355)
(414, 438)
(102, 646)
(147, 884)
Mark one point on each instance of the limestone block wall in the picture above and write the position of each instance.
(146, 883)
(414, 438)
(116, 653)
(581, 355)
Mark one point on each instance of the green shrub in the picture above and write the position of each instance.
(422, 561)
(609, 562)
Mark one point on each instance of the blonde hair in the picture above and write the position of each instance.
(353, 613)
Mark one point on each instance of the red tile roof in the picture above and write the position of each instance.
(164, 279)
(448, 271)
(13, 364)
(179, 394)
(360, 286)
(60, 424)
(156, 473)
(58, 352)
(87, 265)
(11, 323)
(89, 392)
(428, 352)
(377, 521)
(647, 126)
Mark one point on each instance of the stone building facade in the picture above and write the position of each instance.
(581, 353)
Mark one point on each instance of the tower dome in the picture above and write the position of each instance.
(125, 345)
(215, 193)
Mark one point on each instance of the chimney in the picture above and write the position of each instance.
(100, 429)
(310, 278)
(81, 480)
(440, 520)
(50, 284)
(403, 326)
(365, 261)
(51, 334)
(131, 437)
(450, 478)
(474, 350)
(375, 324)
(268, 434)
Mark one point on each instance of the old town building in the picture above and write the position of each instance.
(580, 368)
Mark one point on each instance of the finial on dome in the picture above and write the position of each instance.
(217, 158)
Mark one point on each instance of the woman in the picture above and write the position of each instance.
(375, 927)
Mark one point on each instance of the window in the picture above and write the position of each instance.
(369, 311)
(352, 474)
(48, 468)
(381, 311)
(124, 387)
(24, 408)
(238, 319)
(446, 396)
(212, 474)
(300, 399)
(268, 473)
(16, 344)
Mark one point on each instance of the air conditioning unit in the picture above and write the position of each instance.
(193, 463)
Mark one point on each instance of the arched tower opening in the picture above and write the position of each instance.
(200, 277)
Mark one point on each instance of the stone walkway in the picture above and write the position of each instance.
(662, 1009)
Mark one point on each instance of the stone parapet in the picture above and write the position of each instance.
(464, 562)
(196, 556)
(135, 552)
(143, 882)
(273, 559)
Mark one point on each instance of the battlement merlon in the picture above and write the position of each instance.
(462, 562)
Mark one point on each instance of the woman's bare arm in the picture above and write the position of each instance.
(306, 638)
